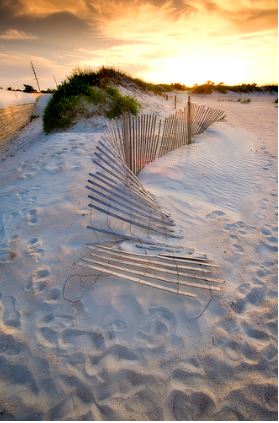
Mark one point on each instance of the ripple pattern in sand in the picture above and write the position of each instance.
(221, 176)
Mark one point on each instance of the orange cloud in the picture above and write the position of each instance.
(14, 34)
(47, 7)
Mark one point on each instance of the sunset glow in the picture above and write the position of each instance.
(160, 41)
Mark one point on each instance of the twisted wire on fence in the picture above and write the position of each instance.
(115, 192)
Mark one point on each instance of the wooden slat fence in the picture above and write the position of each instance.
(114, 190)
(141, 139)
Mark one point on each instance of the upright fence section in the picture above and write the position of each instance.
(141, 139)
(135, 138)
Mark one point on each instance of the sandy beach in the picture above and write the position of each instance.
(130, 352)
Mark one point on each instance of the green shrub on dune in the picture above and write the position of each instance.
(59, 113)
(120, 104)
(77, 97)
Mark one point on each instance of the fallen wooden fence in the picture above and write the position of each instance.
(117, 192)
(186, 275)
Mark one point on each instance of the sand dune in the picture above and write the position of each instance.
(126, 351)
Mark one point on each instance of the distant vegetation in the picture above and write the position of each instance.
(29, 89)
(209, 87)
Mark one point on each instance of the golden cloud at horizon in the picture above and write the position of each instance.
(162, 41)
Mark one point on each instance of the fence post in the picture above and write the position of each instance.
(189, 123)
(175, 101)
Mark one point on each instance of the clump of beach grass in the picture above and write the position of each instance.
(85, 95)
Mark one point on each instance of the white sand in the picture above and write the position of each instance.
(126, 351)
(13, 98)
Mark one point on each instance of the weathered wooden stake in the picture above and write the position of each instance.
(189, 129)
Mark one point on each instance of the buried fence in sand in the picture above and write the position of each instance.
(131, 212)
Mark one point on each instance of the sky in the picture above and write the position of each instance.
(187, 41)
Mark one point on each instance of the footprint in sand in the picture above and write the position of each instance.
(160, 324)
(33, 199)
(22, 194)
(75, 167)
(116, 326)
(32, 217)
(263, 272)
(237, 249)
(54, 295)
(35, 249)
(266, 248)
(256, 296)
(49, 334)
(215, 213)
(74, 337)
(274, 229)
(265, 231)
(272, 240)
(39, 280)
(11, 316)
(41, 274)
(2, 228)
(115, 354)
(191, 406)
(6, 255)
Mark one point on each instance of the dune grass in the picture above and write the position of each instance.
(84, 95)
